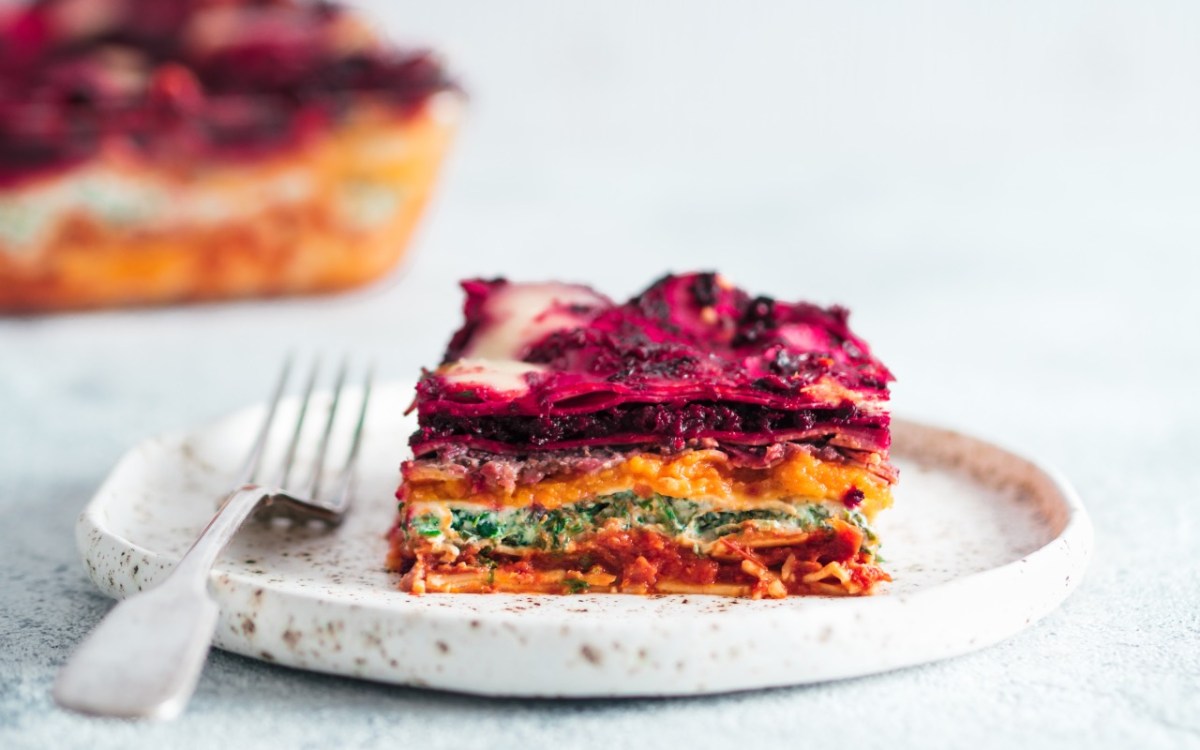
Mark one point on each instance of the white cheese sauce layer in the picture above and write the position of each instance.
(502, 376)
(30, 216)
(521, 314)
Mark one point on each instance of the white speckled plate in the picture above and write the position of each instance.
(981, 543)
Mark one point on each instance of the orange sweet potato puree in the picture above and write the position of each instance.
(697, 474)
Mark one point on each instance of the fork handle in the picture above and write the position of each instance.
(145, 657)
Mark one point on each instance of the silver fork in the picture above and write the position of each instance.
(145, 657)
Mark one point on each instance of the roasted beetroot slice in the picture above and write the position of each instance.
(548, 366)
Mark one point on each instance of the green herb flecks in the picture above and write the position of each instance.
(696, 521)
(427, 525)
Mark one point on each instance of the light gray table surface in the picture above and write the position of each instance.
(1006, 198)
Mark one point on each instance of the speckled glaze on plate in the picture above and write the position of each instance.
(981, 543)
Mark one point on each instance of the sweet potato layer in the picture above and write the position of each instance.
(705, 474)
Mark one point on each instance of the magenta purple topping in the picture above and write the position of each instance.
(181, 79)
(690, 359)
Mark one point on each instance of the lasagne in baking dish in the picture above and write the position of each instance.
(156, 151)
(694, 439)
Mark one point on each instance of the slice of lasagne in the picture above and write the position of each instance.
(692, 440)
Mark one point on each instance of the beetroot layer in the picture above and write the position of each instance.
(131, 74)
(686, 338)
(660, 424)
(692, 358)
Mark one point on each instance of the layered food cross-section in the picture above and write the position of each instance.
(695, 439)
(157, 151)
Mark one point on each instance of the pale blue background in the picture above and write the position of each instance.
(1005, 194)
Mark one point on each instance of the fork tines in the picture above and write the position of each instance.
(309, 499)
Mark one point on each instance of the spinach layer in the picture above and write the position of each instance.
(695, 521)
